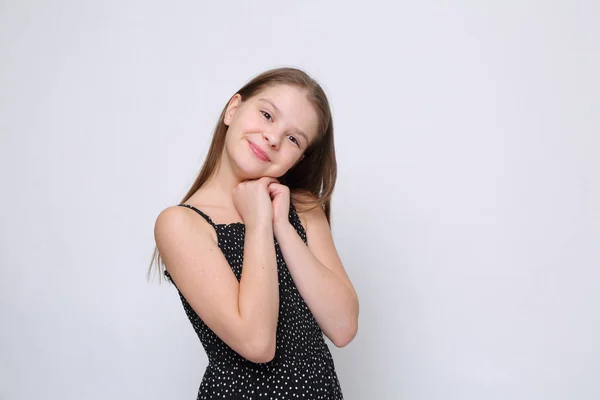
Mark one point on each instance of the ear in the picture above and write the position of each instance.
(232, 107)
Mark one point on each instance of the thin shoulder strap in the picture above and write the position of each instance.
(206, 217)
(293, 211)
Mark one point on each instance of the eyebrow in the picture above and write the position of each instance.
(278, 111)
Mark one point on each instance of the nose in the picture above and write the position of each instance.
(273, 138)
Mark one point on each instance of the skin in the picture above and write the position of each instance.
(282, 123)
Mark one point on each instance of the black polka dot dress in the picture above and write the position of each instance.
(302, 367)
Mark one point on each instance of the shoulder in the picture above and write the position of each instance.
(308, 208)
(176, 221)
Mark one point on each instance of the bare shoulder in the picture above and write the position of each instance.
(308, 208)
(175, 223)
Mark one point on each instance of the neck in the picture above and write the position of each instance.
(219, 187)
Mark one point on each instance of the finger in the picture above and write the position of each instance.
(278, 189)
(267, 180)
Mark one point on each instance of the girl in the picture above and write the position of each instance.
(250, 249)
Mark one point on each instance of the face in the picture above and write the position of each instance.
(269, 133)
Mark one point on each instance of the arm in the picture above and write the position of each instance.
(320, 276)
(243, 314)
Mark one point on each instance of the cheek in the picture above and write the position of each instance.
(252, 121)
(242, 127)
(291, 159)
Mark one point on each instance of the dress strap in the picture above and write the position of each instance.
(206, 217)
(293, 214)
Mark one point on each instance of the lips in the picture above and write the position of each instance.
(258, 152)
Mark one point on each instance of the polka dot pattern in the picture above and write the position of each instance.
(302, 367)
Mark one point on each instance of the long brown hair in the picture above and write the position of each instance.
(314, 175)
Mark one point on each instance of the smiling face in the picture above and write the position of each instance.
(269, 132)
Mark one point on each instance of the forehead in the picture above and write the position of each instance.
(293, 107)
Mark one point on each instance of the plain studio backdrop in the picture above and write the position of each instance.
(467, 210)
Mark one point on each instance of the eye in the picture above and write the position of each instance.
(294, 140)
(267, 115)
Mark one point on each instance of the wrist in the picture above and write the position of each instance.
(281, 226)
(261, 226)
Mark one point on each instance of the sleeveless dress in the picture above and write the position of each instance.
(302, 367)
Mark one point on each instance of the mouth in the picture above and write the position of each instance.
(258, 152)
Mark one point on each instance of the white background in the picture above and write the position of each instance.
(467, 210)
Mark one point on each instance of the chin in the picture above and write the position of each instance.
(249, 172)
(251, 175)
(250, 169)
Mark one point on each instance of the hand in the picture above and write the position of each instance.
(280, 198)
(251, 198)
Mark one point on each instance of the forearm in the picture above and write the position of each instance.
(259, 289)
(330, 298)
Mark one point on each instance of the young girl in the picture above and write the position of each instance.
(250, 248)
